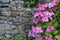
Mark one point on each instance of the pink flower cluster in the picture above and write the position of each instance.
(44, 6)
(50, 28)
(55, 1)
(37, 30)
(48, 38)
(49, 5)
(42, 16)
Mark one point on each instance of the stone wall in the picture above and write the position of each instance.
(14, 19)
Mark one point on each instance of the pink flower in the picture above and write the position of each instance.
(31, 33)
(41, 7)
(33, 29)
(45, 5)
(50, 28)
(48, 38)
(36, 14)
(39, 38)
(50, 5)
(48, 14)
(35, 21)
(55, 1)
(45, 19)
(39, 30)
(42, 16)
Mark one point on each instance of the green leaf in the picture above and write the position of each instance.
(39, 25)
(55, 31)
(50, 23)
(38, 35)
(58, 37)
(30, 38)
(48, 34)
(56, 24)
(6, 39)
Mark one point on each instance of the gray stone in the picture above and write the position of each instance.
(13, 8)
(12, 3)
(8, 32)
(34, 9)
(7, 26)
(2, 21)
(17, 23)
(10, 23)
(26, 19)
(5, 9)
(5, 13)
(12, 19)
(11, 0)
(24, 14)
(18, 5)
(2, 32)
(3, 27)
(13, 27)
(14, 14)
(21, 27)
(14, 31)
(4, 5)
(4, 1)
(19, 18)
(1, 37)
(19, 8)
(5, 22)
(21, 2)
(7, 35)
(27, 9)
(3, 17)
(15, 20)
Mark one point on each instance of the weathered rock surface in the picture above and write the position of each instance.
(14, 19)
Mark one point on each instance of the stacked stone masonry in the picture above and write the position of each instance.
(14, 19)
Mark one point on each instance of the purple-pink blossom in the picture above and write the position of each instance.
(37, 29)
(41, 7)
(48, 38)
(34, 20)
(44, 6)
(54, 38)
(43, 16)
(32, 34)
(39, 38)
(55, 1)
(50, 28)
(50, 5)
